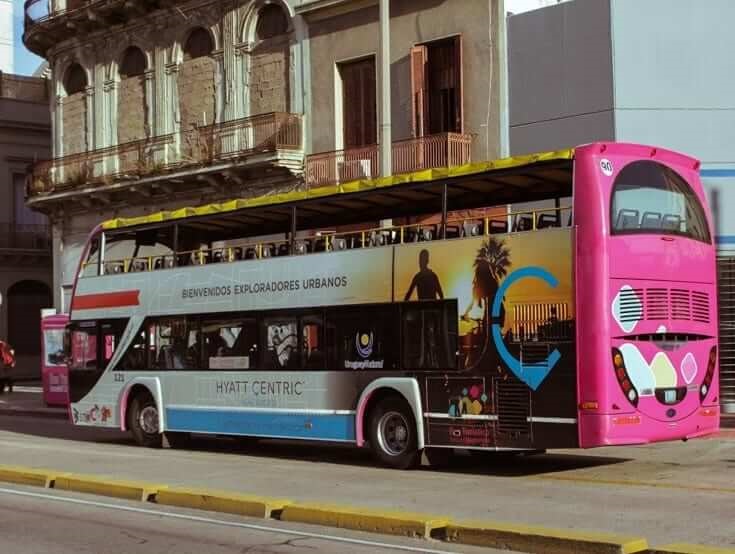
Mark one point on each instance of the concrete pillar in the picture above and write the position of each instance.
(501, 48)
(57, 253)
(386, 138)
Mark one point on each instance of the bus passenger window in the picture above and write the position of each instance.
(364, 338)
(281, 340)
(429, 335)
(84, 347)
(312, 349)
(111, 332)
(230, 344)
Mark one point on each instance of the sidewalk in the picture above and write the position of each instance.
(28, 401)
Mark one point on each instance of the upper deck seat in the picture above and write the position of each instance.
(651, 220)
(498, 226)
(523, 222)
(471, 229)
(339, 243)
(546, 220)
(627, 219)
(283, 249)
(452, 232)
(672, 222)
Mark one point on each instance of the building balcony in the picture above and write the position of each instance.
(48, 22)
(213, 155)
(427, 152)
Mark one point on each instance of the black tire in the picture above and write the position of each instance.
(143, 421)
(393, 435)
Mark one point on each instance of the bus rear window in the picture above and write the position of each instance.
(649, 197)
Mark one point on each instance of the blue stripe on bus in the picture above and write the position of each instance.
(717, 173)
(725, 239)
(335, 427)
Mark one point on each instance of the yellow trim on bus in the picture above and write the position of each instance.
(353, 186)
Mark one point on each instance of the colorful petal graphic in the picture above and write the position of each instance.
(663, 371)
(638, 369)
(627, 308)
(689, 368)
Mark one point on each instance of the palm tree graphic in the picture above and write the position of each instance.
(491, 266)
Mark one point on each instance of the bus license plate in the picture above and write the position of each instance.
(670, 396)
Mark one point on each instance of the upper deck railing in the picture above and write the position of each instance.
(432, 151)
(200, 146)
(513, 222)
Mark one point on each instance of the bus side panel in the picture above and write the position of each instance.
(515, 386)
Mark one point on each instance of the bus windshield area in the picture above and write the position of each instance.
(649, 197)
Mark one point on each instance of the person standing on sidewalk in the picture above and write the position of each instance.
(7, 363)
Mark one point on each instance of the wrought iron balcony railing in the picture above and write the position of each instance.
(196, 148)
(25, 237)
(47, 22)
(432, 151)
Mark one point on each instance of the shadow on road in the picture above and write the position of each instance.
(491, 464)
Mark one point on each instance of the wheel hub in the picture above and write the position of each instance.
(393, 433)
(148, 420)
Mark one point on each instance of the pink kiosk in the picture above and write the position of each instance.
(54, 372)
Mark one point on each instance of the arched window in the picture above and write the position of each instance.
(272, 21)
(198, 44)
(133, 62)
(75, 79)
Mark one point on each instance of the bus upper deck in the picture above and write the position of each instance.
(482, 199)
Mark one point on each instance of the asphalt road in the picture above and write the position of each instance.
(671, 492)
(33, 521)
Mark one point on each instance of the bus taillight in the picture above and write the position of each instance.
(706, 384)
(623, 379)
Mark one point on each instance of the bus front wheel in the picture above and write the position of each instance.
(393, 434)
(143, 421)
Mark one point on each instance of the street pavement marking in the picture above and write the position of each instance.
(634, 483)
(225, 523)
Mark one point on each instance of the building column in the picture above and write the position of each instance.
(386, 139)
(57, 251)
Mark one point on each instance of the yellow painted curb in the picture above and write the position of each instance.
(27, 476)
(683, 548)
(239, 504)
(130, 490)
(525, 538)
(376, 521)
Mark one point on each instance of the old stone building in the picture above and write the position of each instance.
(25, 247)
(158, 105)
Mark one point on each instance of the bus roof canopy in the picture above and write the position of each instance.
(509, 180)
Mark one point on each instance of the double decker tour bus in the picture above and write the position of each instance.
(426, 311)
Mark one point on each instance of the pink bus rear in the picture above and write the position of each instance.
(646, 297)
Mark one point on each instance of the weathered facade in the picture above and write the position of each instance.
(25, 248)
(158, 106)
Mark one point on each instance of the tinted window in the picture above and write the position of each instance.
(365, 337)
(649, 197)
(280, 336)
(429, 334)
(230, 343)
(173, 343)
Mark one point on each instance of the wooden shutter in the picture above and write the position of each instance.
(359, 103)
(419, 103)
(459, 86)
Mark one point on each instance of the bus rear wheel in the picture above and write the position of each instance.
(143, 421)
(393, 434)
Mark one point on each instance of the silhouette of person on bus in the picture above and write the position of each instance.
(425, 281)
